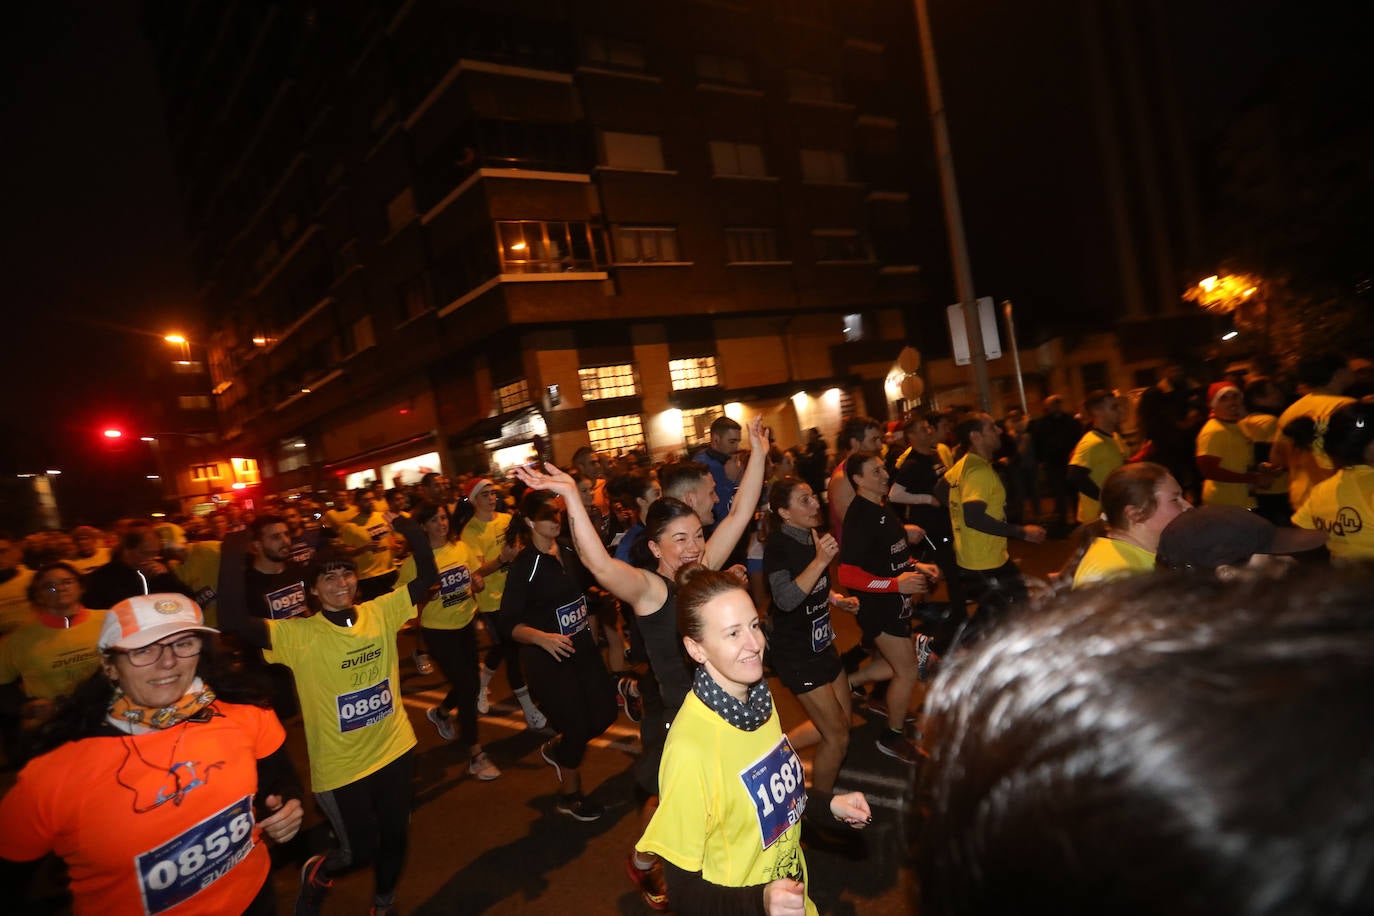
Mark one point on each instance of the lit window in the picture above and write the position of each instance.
(696, 424)
(632, 151)
(513, 396)
(737, 160)
(697, 372)
(553, 246)
(645, 243)
(824, 165)
(804, 86)
(717, 68)
(205, 472)
(840, 245)
(245, 470)
(750, 245)
(608, 382)
(853, 327)
(187, 366)
(194, 402)
(614, 435)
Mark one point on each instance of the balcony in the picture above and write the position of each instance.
(500, 144)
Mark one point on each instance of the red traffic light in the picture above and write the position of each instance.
(114, 434)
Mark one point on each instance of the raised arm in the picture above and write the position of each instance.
(731, 528)
(635, 586)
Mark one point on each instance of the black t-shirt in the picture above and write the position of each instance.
(663, 645)
(548, 593)
(875, 541)
(276, 596)
(804, 630)
(918, 474)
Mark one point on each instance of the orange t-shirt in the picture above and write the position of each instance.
(148, 824)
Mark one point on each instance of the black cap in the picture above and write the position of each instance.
(1213, 536)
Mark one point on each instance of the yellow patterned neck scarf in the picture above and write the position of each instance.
(195, 703)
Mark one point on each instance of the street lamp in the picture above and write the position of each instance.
(180, 341)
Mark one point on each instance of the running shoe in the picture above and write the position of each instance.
(896, 745)
(424, 665)
(923, 657)
(483, 701)
(649, 883)
(482, 767)
(546, 751)
(534, 718)
(632, 703)
(579, 808)
(442, 721)
(314, 885)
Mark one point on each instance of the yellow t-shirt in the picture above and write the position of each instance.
(946, 453)
(364, 533)
(973, 480)
(486, 541)
(84, 565)
(51, 661)
(1228, 442)
(15, 610)
(1108, 558)
(1100, 454)
(1263, 427)
(730, 801)
(200, 572)
(1343, 507)
(1307, 468)
(456, 604)
(349, 683)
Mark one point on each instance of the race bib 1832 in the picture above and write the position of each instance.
(196, 858)
(777, 787)
(455, 585)
(365, 707)
(821, 633)
(572, 617)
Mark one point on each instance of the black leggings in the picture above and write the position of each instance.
(577, 694)
(503, 649)
(371, 819)
(456, 653)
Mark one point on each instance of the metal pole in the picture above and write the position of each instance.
(1016, 356)
(954, 218)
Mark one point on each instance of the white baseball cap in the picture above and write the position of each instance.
(144, 619)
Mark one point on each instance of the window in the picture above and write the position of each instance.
(614, 435)
(412, 298)
(194, 402)
(718, 68)
(739, 160)
(804, 86)
(743, 246)
(245, 471)
(401, 210)
(632, 151)
(187, 366)
(853, 329)
(362, 334)
(696, 424)
(531, 246)
(513, 396)
(1095, 376)
(205, 472)
(608, 382)
(645, 243)
(824, 165)
(697, 372)
(603, 51)
(840, 245)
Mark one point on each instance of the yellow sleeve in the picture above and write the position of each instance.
(1303, 516)
(680, 826)
(1081, 453)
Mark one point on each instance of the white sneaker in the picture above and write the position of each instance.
(442, 721)
(534, 718)
(483, 701)
(482, 767)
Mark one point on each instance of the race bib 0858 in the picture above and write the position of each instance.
(365, 707)
(777, 787)
(199, 856)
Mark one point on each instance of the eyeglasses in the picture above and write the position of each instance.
(185, 647)
(60, 584)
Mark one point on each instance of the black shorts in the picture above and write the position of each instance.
(803, 672)
(885, 618)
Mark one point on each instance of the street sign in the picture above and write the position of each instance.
(958, 331)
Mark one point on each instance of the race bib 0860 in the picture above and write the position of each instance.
(365, 707)
(777, 787)
(572, 617)
(455, 585)
(195, 859)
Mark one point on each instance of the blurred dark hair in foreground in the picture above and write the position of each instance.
(1169, 744)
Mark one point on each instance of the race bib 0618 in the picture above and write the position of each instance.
(572, 617)
(198, 857)
(365, 707)
(777, 787)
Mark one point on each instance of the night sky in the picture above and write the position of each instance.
(96, 264)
